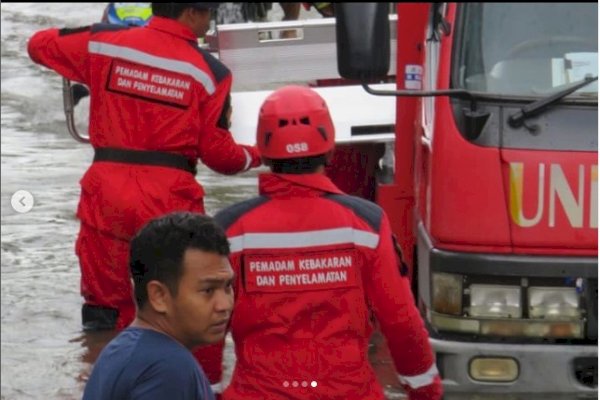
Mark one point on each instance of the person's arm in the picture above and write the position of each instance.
(291, 11)
(217, 149)
(391, 300)
(62, 50)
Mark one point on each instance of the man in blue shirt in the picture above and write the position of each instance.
(183, 290)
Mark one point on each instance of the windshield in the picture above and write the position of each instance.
(527, 49)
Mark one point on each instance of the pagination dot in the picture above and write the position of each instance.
(313, 384)
(286, 384)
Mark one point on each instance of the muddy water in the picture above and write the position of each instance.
(44, 353)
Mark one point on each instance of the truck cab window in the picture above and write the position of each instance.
(527, 50)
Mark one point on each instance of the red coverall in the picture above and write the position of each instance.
(312, 267)
(152, 89)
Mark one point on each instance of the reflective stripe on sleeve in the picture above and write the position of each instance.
(248, 159)
(296, 240)
(129, 54)
(418, 381)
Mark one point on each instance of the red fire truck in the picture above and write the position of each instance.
(484, 157)
(494, 193)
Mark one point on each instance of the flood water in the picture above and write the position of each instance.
(44, 353)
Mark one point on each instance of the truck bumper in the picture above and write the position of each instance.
(549, 370)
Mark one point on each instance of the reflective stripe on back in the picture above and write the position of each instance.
(140, 57)
(297, 240)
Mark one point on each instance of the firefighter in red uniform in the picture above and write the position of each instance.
(313, 266)
(157, 106)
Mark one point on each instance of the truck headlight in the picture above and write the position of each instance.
(496, 301)
(447, 293)
(554, 303)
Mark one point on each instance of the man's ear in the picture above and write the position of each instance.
(159, 296)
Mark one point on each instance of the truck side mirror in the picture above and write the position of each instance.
(363, 40)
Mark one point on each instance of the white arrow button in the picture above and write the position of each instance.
(22, 201)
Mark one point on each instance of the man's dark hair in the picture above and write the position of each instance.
(158, 249)
(174, 10)
(301, 165)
